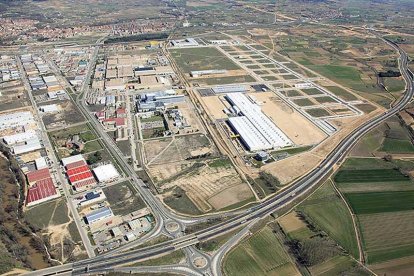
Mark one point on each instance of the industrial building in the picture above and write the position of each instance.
(16, 119)
(92, 197)
(34, 176)
(49, 108)
(99, 215)
(256, 130)
(29, 145)
(188, 42)
(40, 163)
(196, 74)
(41, 191)
(158, 100)
(78, 173)
(229, 89)
(140, 225)
(106, 173)
(19, 137)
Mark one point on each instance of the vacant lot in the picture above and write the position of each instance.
(341, 93)
(261, 254)
(298, 128)
(211, 185)
(192, 59)
(123, 198)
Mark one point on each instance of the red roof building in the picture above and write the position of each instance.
(41, 191)
(77, 170)
(100, 115)
(34, 176)
(75, 164)
(84, 184)
(80, 176)
(121, 112)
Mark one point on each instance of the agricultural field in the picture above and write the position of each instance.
(306, 235)
(381, 195)
(328, 212)
(261, 254)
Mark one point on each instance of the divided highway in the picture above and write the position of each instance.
(106, 263)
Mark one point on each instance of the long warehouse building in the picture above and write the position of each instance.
(257, 131)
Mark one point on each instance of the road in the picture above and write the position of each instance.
(55, 166)
(288, 196)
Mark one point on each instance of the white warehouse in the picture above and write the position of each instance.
(256, 130)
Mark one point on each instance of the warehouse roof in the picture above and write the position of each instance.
(99, 214)
(83, 184)
(37, 175)
(80, 176)
(76, 164)
(72, 159)
(77, 170)
(42, 190)
(105, 173)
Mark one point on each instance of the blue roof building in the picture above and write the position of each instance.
(98, 215)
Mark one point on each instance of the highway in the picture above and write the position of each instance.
(288, 196)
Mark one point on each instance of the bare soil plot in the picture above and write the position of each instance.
(215, 106)
(299, 129)
(212, 187)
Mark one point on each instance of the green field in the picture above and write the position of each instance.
(312, 91)
(325, 99)
(303, 102)
(261, 254)
(328, 211)
(388, 235)
(341, 93)
(317, 112)
(379, 202)
(345, 75)
(53, 212)
(397, 146)
(228, 80)
(372, 175)
(205, 58)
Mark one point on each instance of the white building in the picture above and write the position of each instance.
(72, 159)
(260, 132)
(106, 173)
(30, 145)
(15, 119)
(19, 137)
(40, 163)
(50, 108)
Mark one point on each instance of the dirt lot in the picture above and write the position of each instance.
(299, 129)
(291, 168)
(214, 107)
(212, 186)
(178, 148)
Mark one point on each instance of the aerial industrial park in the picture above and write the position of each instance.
(206, 138)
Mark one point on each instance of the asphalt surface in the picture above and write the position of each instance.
(104, 263)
